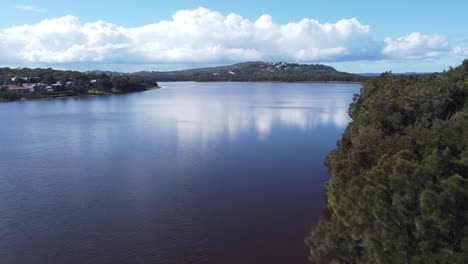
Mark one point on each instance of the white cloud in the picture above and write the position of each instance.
(417, 45)
(204, 36)
(463, 51)
(30, 8)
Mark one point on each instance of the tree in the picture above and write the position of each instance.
(126, 84)
(399, 186)
(49, 79)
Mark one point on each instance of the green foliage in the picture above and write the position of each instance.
(8, 96)
(399, 186)
(465, 66)
(126, 84)
(49, 79)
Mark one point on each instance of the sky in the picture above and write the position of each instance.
(358, 36)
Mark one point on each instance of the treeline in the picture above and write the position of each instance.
(399, 186)
(79, 83)
(258, 72)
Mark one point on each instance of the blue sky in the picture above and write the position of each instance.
(396, 35)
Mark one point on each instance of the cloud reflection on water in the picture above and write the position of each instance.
(206, 114)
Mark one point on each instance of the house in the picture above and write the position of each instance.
(58, 86)
(5, 81)
(20, 89)
(30, 87)
(39, 87)
(26, 79)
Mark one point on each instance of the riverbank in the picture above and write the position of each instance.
(398, 186)
(90, 93)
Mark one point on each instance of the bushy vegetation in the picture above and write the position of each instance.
(128, 84)
(399, 186)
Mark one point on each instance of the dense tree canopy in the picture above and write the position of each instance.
(127, 84)
(399, 186)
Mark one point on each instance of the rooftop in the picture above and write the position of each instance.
(13, 88)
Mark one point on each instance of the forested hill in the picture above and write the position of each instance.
(257, 71)
(399, 186)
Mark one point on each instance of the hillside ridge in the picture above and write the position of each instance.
(256, 71)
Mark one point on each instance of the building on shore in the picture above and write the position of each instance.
(39, 87)
(20, 89)
(26, 79)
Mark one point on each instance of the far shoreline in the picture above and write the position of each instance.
(74, 96)
(159, 87)
(263, 82)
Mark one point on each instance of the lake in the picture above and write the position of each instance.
(191, 173)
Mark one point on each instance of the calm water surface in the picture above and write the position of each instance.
(191, 173)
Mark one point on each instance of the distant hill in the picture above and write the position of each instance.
(375, 74)
(257, 72)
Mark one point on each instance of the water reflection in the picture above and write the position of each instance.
(192, 173)
(208, 121)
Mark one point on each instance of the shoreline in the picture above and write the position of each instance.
(73, 96)
(265, 82)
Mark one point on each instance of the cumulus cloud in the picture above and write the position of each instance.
(463, 51)
(417, 45)
(205, 36)
(30, 8)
